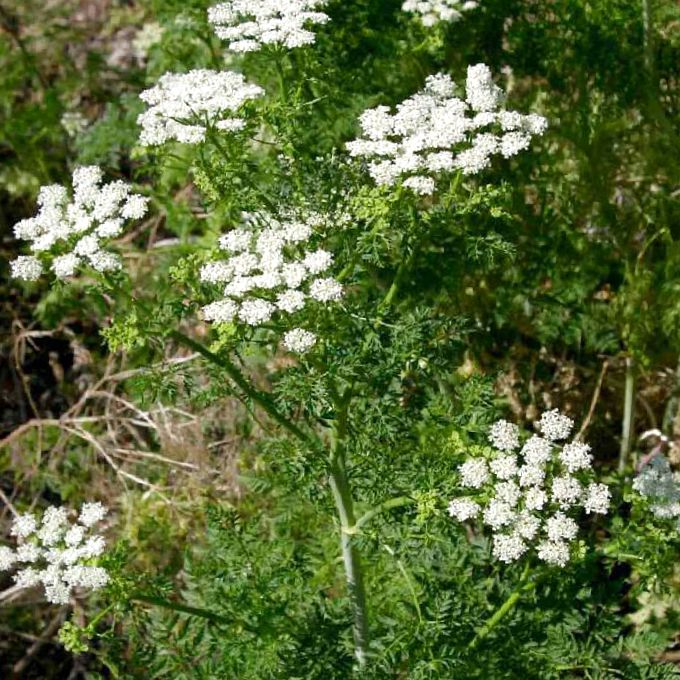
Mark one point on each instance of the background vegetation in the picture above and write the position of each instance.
(553, 282)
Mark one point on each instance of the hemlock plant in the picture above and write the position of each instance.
(345, 270)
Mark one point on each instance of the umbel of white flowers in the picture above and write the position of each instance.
(70, 233)
(267, 271)
(250, 24)
(431, 12)
(182, 105)
(531, 495)
(660, 487)
(434, 132)
(56, 552)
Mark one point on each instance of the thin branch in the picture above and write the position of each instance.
(261, 398)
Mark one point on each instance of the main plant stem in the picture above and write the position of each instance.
(338, 480)
(342, 495)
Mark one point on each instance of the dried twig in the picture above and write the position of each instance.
(594, 400)
(54, 625)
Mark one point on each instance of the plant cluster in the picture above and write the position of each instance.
(308, 384)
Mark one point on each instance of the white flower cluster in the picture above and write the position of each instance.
(73, 230)
(57, 553)
(434, 131)
(250, 24)
(182, 105)
(531, 495)
(431, 12)
(660, 486)
(268, 271)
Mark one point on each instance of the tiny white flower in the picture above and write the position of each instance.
(504, 435)
(424, 186)
(576, 456)
(554, 552)
(498, 514)
(236, 241)
(7, 558)
(325, 290)
(102, 261)
(432, 12)
(318, 261)
(27, 578)
(436, 132)
(84, 576)
(81, 225)
(559, 527)
(535, 498)
(504, 467)
(531, 475)
(64, 266)
(255, 312)
(74, 536)
(88, 245)
(555, 426)
(294, 274)
(536, 451)
(566, 491)
(299, 340)
(23, 526)
(221, 311)
(290, 301)
(508, 547)
(27, 552)
(596, 499)
(527, 525)
(26, 267)
(474, 473)
(91, 514)
(508, 492)
(482, 93)
(463, 509)
(528, 501)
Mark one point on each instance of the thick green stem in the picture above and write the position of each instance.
(628, 414)
(259, 397)
(506, 607)
(355, 582)
(342, 495)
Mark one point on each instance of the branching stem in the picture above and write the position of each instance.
(382, 507)
(522, 587)
(184, 609)
(261, 398)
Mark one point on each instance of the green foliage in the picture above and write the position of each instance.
(558, 257)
